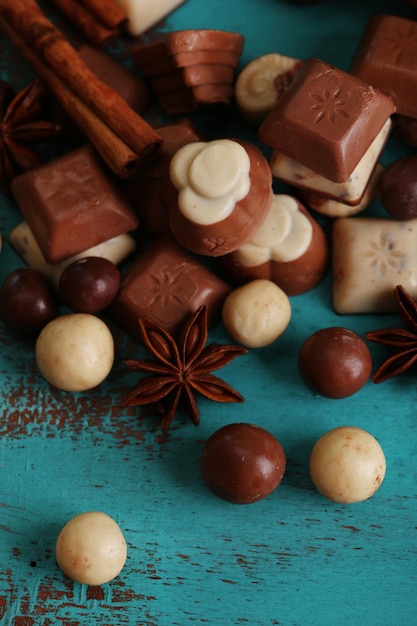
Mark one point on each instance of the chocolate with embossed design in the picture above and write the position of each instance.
(73, 203)
(386, 59)
(326, 120)
(167, 285)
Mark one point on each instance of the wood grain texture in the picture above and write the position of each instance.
(293, 559)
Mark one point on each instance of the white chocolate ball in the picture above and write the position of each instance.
(75, 352)
(347, 465)
(256, 313)
(91, 548)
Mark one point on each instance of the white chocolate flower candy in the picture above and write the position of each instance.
(284, 236)
(210, 177)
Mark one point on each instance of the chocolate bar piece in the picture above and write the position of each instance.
(72, 203)
(167, 284)
(386, 59)
(326, 120)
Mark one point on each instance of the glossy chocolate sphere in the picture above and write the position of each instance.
(398, 188)
(242, 463)
(27, 301)
(334, 362)
(89, 285)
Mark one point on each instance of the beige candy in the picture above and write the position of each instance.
(257, 313)
(260, 84)
(347, 465)
(143, 14)
(371, 256)
(75, 352)
(25, 244)
(350, 191)
(91, 548)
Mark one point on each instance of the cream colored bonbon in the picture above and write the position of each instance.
(210, 177)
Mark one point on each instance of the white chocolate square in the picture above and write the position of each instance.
(350, 191)
(371, 256)
(143, 14)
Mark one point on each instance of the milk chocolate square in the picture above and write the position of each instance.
(167, 284)
(371, 256)
(326, 120)
(386, 58)
(73, 203)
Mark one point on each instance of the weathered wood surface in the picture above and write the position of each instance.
(293, 559)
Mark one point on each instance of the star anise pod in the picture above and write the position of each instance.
(403, 340)
(182, 368)
(19, 126)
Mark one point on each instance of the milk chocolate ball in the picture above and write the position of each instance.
(334, 362)
(398, 188)
(242, 463)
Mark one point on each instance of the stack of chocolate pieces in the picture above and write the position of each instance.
(191, 69)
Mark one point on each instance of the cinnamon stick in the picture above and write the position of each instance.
(107, 12)
(86, 23)
(50, 45)
(118, 156)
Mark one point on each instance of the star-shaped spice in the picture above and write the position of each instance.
(182, 369)
(20, 126)
(403, 340)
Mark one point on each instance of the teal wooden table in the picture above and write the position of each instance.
(295, 558)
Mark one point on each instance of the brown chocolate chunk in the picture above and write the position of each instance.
(73, 203)
(326, 120)
(386, 59)
(167, 284)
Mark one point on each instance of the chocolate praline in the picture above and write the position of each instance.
(242, 463)
(334, 362)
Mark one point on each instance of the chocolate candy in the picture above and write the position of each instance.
(371, 256)
(242, 463)
(386, 59)
(334, 362)
(256, 313)
(398, 188)
(290, 248)
(222, 192)
(167, 284)
(72, 203)
(326, 120)
(191, 69)
(27, 301)
(146, 190)
(89, 285)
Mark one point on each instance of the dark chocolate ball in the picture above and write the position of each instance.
(334, 362)
(405, 128)
(398, 188)
(242, 463)
(89, 285)
(27, 301)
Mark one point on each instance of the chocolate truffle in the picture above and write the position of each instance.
(222, 193)
(334, 362)
(242, 463)
(398, 188)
